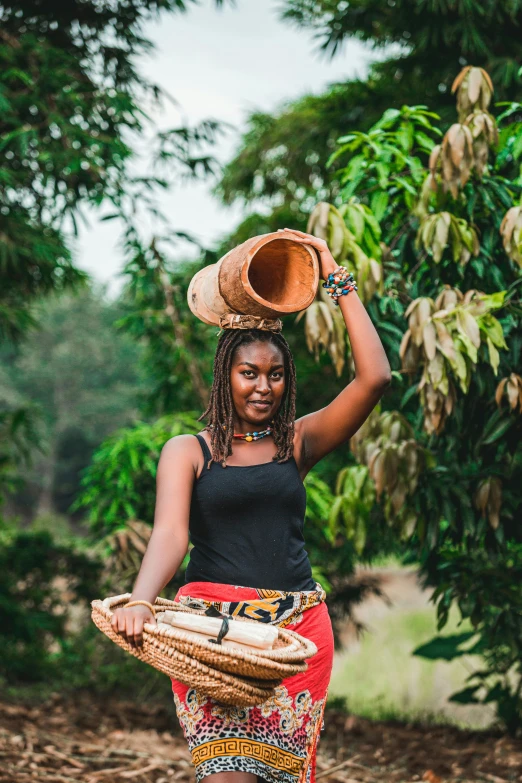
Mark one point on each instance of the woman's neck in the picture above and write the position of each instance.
(242, 427)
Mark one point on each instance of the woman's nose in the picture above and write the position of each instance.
(262, 385)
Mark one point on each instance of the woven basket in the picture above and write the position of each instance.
(229, 675)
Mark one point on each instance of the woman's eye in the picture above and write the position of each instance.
(249, 373)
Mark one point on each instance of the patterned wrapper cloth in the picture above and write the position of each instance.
(276, 740)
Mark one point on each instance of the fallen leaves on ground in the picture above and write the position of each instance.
(86, 741)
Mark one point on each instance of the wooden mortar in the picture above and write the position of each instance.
(268, 275)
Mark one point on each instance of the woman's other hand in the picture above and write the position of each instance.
(129, 623)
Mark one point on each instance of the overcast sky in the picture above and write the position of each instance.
(220, 64)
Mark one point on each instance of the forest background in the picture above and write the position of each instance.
(413, 177)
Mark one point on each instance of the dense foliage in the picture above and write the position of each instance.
(120, 482)
(84, 378)
(40, 583)
(435, 247)
(453, 30)
(281, 161)
(73, 108)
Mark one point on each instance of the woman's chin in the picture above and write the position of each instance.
(258, 417)
(259, 423)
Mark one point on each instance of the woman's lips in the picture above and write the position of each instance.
(260, 404)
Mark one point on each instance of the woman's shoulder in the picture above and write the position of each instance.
(180, 442)
(180, 460)
(181, 453)
(181, 447)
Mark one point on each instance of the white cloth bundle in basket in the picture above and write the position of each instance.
(248, 636)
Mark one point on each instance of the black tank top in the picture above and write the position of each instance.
(246, 525)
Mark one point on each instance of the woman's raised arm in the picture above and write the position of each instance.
(320, 432)
(168, 544)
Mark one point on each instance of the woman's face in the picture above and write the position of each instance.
(257, 378)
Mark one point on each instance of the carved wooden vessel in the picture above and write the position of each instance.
(269, 275)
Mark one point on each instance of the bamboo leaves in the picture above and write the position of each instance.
(456, 158)
(325, 330)
(484, 132)
(443, 251)
(453, 333)
(466, 144)
(125, 548)
(326, 223)
(469, 328)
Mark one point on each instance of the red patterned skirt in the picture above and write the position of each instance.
(276, 740)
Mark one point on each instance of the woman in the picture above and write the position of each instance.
(246, 525)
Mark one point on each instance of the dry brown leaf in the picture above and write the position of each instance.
(434, 158)
(429, 339)
(512, 393)
(499, 391)
(469, 326)
(474, 89)
(431, 777)
(404, 343)
(459, 78)
(511, 232)
(424, 309)
(475, 83)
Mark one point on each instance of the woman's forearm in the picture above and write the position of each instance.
(369, 357)
(163, 557)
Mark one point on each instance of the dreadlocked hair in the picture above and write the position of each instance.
(220, 409)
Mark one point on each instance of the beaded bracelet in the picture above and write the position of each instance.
(339, 283)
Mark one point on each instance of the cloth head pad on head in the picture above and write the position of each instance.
(237, 321)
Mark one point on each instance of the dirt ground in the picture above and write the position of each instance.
(89, 742)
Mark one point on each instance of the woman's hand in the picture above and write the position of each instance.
(327, 262)
(129, 623)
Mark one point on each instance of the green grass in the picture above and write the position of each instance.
(380, 678)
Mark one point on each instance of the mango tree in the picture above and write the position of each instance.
(430, 224)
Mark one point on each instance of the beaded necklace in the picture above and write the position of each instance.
(254, 435)
(250, 436)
